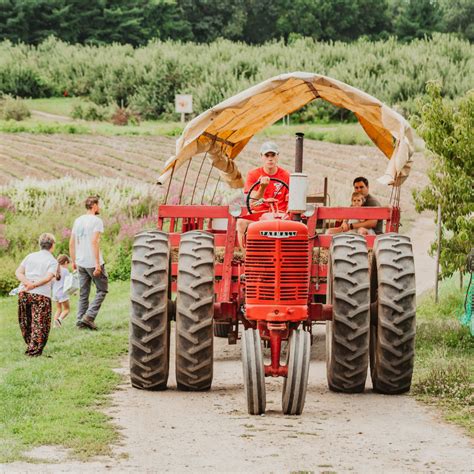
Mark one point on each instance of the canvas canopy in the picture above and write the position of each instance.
(224, 130)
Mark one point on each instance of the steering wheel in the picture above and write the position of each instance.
(254, 185)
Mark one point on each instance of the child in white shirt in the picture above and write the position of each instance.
(61, 298)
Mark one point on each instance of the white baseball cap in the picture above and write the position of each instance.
(269, 147)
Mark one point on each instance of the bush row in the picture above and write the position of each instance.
(147, 78)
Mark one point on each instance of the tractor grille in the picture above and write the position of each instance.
(277, 270)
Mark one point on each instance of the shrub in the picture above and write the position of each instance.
(90, 111)
(123, 116)
(14, 109)
(8, 280)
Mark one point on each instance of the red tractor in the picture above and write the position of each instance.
(274, 296)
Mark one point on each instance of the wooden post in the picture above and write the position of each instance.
(438, 253)
(182, 118)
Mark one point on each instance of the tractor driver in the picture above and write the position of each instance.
(270, 191)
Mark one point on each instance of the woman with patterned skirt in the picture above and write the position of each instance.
(35, 274)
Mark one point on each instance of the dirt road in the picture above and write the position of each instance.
(211, 432)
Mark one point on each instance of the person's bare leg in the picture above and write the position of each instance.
(57, 314)
(334, 230)
(58, 310)
(242, 225)
(65, 310)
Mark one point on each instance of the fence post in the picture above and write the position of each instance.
(438, 253)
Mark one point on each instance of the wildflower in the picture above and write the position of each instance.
(5, 203)
(3, 243)
(66, 233)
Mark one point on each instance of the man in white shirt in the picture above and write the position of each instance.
(87, 258)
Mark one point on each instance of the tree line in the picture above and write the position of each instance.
(136, 22)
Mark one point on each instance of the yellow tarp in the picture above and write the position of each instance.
(225, 130)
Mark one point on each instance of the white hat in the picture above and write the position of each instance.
(268, 147)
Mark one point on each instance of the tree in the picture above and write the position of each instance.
(416, 18)
(458, 17)
(447, 129)
(211, 19)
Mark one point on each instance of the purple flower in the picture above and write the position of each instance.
(5, 203)
(66, 233)
(129, 229)
(3, 243)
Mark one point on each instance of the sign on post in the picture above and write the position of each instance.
(183, 105)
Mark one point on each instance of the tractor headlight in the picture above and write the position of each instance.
(235, 210)
(310, 210)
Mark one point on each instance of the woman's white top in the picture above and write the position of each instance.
(37, 265)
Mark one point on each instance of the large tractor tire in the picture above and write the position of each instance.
(254, 371)
(195, 311)
(347, 335)
(149, 322)
(298, 360)
(393, 292)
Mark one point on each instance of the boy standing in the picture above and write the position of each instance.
(87, 258)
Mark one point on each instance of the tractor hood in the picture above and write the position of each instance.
(225, 130)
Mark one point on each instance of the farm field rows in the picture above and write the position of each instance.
(49, 157)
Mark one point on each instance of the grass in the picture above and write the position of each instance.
(55, 105)
(444, 363)
(58, 400)
(342, 133)
(336, 132)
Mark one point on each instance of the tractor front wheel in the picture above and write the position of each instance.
(195, 311)
(294, 386)
(393, 291)
(254, 371)
(149, 322)
(347, 335)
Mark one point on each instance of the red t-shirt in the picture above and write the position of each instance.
(274, 189)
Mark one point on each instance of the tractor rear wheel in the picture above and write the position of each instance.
(347, 335)
(149, 322)
(254, 371)
(294, 386)
(195, 311)
(393, 291)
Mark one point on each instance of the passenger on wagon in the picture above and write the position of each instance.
(270, 191)
(361, 185)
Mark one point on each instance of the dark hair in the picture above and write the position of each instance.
(90, 201)
(62, 259)
(361, 178)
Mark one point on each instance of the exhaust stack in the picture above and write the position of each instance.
(298, 180)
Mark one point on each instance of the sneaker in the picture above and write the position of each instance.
(89, 322)
(57, 323)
